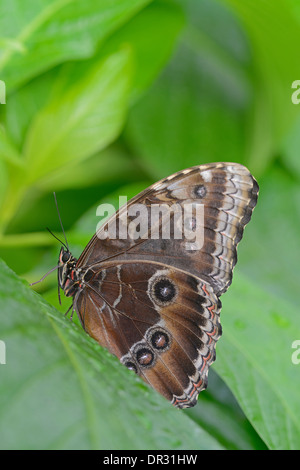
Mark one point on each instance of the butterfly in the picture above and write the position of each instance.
(154, 301)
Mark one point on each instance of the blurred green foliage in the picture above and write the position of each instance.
(104, 97)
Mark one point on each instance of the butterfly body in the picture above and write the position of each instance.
(68, 275)
(154, 302)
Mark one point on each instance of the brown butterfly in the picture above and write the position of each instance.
(154, 302)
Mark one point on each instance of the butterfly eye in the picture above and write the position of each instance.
(65, 257)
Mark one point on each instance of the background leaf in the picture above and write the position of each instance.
(273, 74)
(96, 100)
(274, 238)
(290, 148)
(268, 390)
(39, 35)
(175, 124)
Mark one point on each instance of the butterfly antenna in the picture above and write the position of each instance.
(45, 275)
(57, 238)
(67, 246)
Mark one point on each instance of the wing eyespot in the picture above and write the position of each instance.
(162, 290)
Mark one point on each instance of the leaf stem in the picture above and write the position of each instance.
(26, 240)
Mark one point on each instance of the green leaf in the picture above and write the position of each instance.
(274, 69)
(254, 357)
(38, 34)
(149, 55)
(290, 148)
(24, 104)
(8, 152)
(61, 390)
(150, 51)
(4, 179)
(175, 124)
(82, 118)
(259, 317)
(270, 254)
(94, 171)
(219, 413)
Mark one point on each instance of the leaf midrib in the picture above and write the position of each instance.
(88, 401)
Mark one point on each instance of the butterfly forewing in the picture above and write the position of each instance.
(228, 193)
(154, 302)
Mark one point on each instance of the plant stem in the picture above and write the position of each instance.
(26, 239)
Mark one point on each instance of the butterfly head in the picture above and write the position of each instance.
(67, 273)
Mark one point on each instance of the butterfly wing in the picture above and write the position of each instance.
(228, 193)
(154, 302)
(159, 321)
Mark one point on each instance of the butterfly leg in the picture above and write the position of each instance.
(71, 307)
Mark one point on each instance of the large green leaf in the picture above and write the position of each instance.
(273, 32)
(38, 34)
(203, 93)
(290, 147)
(80, 119)
(149, 56)
(61, 390)
(219, 413)
(150, 51)
(260, 315)
(84, 114)
(254, 357)
(270, 253)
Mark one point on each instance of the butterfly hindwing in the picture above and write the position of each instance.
(161, 322)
